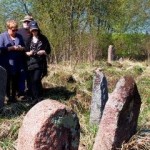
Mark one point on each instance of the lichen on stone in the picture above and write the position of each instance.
(65, 121)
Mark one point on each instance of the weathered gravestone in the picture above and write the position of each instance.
(99, 96)
(49, 125)
(119, 120)
(3, 81)
(111, 53)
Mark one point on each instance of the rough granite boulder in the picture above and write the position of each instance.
(49, 125)
(119, 120)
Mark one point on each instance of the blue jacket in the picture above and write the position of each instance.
(11, 60)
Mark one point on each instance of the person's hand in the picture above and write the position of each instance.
(11, 48)
(19, 47)
(16, 48)
(29, 53)
(41, 52)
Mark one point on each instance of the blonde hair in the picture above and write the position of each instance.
(11, 24)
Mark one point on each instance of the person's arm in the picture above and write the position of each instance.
(46, 48)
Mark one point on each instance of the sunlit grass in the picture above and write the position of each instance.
(72, 85)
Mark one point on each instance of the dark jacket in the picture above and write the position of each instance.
(26, 35)
(35, 61)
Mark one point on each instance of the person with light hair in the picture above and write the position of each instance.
(13, 43)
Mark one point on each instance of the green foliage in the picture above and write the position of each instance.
(138, 70)
(7, 144)
(128, 45)
(83, 30)
(144, 89)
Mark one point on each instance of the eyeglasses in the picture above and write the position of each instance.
(26, 22)
(14, 30)
(34, 30)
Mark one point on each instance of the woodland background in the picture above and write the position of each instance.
(82, 30)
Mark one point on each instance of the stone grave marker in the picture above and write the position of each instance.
(3, 81)
(99, 96)
(49, 125)
(119, 120)
(111, 53)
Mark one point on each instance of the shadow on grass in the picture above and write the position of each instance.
(58, 93)
(16, 109)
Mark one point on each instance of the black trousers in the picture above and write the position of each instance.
(12, 85)
(35, 77)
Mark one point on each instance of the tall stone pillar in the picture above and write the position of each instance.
(111, 53)
(99, 96)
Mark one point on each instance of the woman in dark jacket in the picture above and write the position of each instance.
(36, 61)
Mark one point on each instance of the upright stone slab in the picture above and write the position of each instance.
(49, 125)
(119, 121)
(3, 81)
(99, 96)
(111, 53)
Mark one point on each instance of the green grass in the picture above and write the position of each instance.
(144, 90)
(76, 94)
(7, 144)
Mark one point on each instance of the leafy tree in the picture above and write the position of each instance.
(83, 29)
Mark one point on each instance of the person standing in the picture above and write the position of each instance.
(24, 30)
(26, 34)
(36, 62)
(13, 60)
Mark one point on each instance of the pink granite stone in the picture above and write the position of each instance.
(49, 125)
(119, 121)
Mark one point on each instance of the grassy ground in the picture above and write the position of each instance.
(72, 85)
